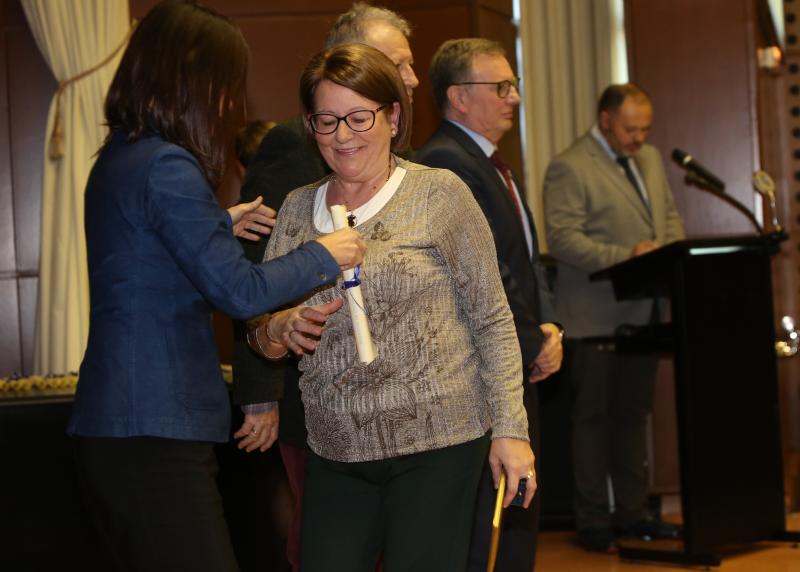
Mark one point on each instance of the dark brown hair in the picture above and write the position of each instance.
(182, 77)
(612, 97)
(366, 71)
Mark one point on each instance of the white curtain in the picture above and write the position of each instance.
(74, 36)
(570, 53)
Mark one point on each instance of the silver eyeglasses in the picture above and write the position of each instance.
(503, 87)
(359, 120)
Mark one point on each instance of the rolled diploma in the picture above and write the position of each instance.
(355, 301)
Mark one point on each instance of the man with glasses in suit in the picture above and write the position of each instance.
(477, 93)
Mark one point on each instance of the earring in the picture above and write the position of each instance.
(394, 131)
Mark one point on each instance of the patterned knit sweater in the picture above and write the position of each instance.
(448, 364)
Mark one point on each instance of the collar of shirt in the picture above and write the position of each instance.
(486, 146)
(595, 131)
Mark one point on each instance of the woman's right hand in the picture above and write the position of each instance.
(300, 328)
(346, 246)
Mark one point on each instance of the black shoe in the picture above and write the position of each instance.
(652, 529)
(598, 539)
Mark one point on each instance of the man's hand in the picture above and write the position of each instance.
(252, 220)
(513, 457)
(550, 356)
(258, 431)
(644, 247)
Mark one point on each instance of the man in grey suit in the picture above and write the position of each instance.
(476, 90)
(606, 199)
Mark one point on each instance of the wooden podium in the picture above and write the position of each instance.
(723, 339)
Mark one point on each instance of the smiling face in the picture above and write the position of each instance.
(483, 111)
(394, 44)
(626, 128)
(354, 156)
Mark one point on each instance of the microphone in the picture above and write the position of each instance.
(683, 159)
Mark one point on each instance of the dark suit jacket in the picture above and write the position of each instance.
(287, 158)
(523, 278)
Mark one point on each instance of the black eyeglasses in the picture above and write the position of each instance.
(359, 120)
(503, 87)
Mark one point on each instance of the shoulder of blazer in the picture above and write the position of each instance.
(649, 157)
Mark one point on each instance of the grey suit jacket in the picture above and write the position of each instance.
(593, 218)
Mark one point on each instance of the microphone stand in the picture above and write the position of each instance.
(693, 178)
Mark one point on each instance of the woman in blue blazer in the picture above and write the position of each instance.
(151, 400)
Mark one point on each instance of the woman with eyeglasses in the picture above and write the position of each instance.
(398, 444)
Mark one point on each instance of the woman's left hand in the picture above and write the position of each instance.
(513, 457)
(252, 220)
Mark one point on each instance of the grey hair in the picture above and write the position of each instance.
(452, 63)
(352, 25)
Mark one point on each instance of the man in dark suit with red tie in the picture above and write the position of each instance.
(476, 90)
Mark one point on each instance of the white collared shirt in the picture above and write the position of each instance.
(322, 215)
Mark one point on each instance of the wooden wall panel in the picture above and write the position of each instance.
(26, 87)
(10, 346)
(696, 59)
(30, 88)
(274, 74)
(432, 26)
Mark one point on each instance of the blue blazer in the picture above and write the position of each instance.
(161, 256)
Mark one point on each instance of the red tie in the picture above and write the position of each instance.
(506, 172)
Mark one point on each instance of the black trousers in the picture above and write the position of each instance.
(155, 502)
(613, 396)
(416, 510)
(520, 527)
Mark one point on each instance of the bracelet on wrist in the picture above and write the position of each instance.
(257, 339)
(270, 338)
